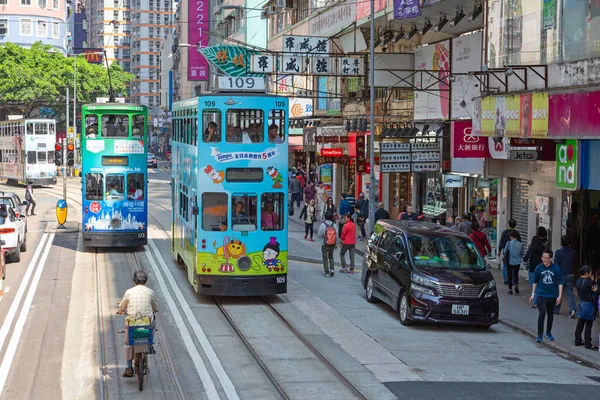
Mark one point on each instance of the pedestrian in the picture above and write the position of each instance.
(296, 190)
(360, 219)
(330, 207)
(408, 215)
(533, 257)
(30, 198)
(327, 232)
(480, 240)
(381, 213)
(457, 222)
(472, 213)
(465, 225)
(321, 198)
(504, 238)
(309, 212)
(587, 309)
(547, 285)
(346, 206)
(363, 207)
(348, 238)
(512, 257)
(566, 259)
(310, 192)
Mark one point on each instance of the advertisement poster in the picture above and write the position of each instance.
(488, 116)
(326, 178)
(539, 121)
(322, 88)
(466, 57)
(434, 103)
(574, 33)
(198, 32)
(549, 14)
(512, 116)
(466, 145)
(525, 115)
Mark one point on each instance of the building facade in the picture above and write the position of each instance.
(24, 22)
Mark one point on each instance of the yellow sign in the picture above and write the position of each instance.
(539, 115)
(488, 116)
(512, 115)
(71, 130)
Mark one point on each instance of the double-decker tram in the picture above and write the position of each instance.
(229, 193)
(27, 151)
(114, 175)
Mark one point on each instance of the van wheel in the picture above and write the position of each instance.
(369, 290)
(24, 245)
(403, 310)
(16, 257)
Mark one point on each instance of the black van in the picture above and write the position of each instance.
(429, 273)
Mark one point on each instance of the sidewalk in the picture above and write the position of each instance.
(515, 311)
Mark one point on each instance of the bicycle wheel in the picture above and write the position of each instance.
(139, 361)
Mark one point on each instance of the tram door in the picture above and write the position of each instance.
(173, 208)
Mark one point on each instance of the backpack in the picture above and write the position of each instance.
(360, 217)
(330, 235)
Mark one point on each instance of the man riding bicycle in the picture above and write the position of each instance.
(138, 302)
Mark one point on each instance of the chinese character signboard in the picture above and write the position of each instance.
(305, 44)
(407, 157)
(360, 152)
(198, 32)
(567, 165)
(232, 60)
(334, 20)
(322, 65)
(406, 9)
(466, 145)
(292, 64)
(299, 107)
(351, 66)
(263, 63)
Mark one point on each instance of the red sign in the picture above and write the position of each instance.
(574, 115)
(466, 145)
(493, 205)
(95, 207)
(332, 152)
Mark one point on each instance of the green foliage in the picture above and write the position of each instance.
(38, 77)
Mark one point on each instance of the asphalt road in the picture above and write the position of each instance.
(50, 347)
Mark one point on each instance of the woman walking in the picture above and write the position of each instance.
(309, 213)
(586, 311)
(330, 207)
(30, 199)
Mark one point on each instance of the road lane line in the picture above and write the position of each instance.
(7, 289)
(18, 331)
(207, 382)
(226, 383)
(15, 304)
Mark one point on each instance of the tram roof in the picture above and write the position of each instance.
(116, 105)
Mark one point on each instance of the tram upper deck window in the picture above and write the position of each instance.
(40, 128)
(244, 215)
(30, 128)
(245, 126)
(276, 133)
(214, 211)
(94, 186)
(115, 126)
(91, 127)
(211, 119)
(138, 126)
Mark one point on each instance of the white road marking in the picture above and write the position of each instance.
(18, 331)
(15, 304)
(206, 346)
(7, 289)
(209, 385)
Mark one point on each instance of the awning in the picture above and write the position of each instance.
(295, 143)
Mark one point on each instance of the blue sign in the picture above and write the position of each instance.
(322, 87)
(406, 9)
(590, 164)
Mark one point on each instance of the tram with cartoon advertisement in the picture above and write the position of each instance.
(27, 151)
(114, 146)
(229, 192)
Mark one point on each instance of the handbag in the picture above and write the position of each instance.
(585, 309)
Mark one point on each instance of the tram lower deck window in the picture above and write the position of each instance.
(214, 211)
(94, 186)
(244, 215)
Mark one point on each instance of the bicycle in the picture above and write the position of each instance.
(140, 335)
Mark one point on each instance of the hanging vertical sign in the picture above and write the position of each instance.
(198, 32)
(360, 152)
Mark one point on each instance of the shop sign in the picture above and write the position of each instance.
(300, 107)
(523, 155)
(395, 157)
(406, 9)
(306, 44)
(517, 142)
(428, 156)
(539, 115)
(453, 181)
(524, 115)
(541, 205)
(395, 147)
(425, 146)
(332, 152)
(567, 168)
(360, 152)
(466, 145)
(426, 167)
(395, 167)
(493, 205)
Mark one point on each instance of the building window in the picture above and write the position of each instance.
(3, 26)
(42, 29)
(55, 30)
(3, 2)
(42, 3)
(55, 4)
(26, 27)
(26, 2)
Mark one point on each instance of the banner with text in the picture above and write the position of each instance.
(521, 115)
(433, 102)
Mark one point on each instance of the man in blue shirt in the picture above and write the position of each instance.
(346, 206)
(548, 287)
(566, 259)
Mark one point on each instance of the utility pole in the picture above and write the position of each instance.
(372, 188)
(64, 149)
(74, 108)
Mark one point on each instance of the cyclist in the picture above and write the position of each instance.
(139, 301)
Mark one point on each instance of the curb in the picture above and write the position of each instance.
(558, 348)
(305, 260)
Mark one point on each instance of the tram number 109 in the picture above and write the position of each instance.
(251, 84)
(280, 280)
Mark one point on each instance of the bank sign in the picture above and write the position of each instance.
(567, 165)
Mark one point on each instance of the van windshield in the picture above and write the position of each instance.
(444, 251)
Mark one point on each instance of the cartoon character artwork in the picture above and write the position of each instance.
(270, 253)
(232, 248)
(276, 177)
(216, 176)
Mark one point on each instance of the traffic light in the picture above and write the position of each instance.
(58, 154)
(70, 154)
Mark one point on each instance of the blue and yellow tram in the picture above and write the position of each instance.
(229, 193)
(114, 175)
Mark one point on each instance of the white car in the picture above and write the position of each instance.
(12, 232)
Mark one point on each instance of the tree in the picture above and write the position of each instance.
(38, 77)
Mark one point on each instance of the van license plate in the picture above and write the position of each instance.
(460, 309)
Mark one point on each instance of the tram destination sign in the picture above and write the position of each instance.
(242, 84)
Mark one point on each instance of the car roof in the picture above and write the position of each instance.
(417, 227)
